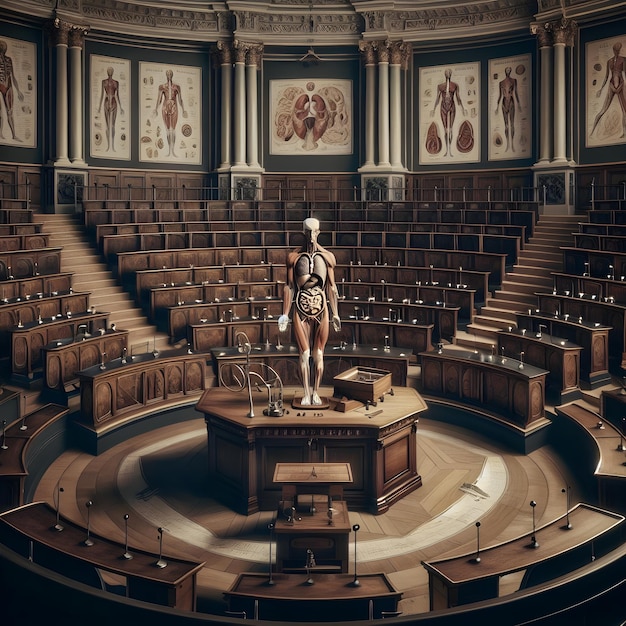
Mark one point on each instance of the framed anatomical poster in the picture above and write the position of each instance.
(18, 93)
(311, 117)
(449, 114)
(605, 90)
(169, 115)
(510, 119)
(110, 99)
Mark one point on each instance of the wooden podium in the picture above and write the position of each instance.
(312, 516)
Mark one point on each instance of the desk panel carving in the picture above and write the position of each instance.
(126, 390)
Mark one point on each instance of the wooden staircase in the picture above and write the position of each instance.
(90, 274)
(532, 273)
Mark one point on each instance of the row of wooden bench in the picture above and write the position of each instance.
(29, 263)
(252, 217)
(344, 237)
(358, 263)
(112, 245)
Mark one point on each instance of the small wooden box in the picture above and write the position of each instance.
(366, 384)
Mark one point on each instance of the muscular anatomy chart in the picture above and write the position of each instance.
(311, 117)
(449, 115)
(170, 97)
(510, 131)
(110, 94)
(18, 93)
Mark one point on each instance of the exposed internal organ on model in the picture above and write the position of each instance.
(465, 138)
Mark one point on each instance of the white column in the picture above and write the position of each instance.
(76, 41)
(60, 33)
(545, 95)
(226, 67)
(560, 103)
(370, 102)
(252, 92)
(395, 94)
(383, 105)
(240, 104)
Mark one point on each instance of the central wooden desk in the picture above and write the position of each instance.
(379, 443)
(331, 597)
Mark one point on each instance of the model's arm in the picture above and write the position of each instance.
(288, 291)
(332, 292)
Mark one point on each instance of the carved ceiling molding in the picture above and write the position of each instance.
(289, 22)
(444, 21)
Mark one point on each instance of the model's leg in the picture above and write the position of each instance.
(302, 331)
(319, 344)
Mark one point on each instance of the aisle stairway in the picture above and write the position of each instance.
(532, 273)
(91, 275)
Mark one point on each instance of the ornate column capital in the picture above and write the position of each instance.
(382, 48)
(76, 36)
(367, 50)
(255, 54)
(225, 52)
(400, 53)
(543, 34)
(241, 51)
(563, 31)
(59, 31)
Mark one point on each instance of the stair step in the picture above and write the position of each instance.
(546, 248)
(513, 296)
(488, 332)
(527, 283)
(495, 317)
(494, 304)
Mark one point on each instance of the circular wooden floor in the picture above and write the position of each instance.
(159, 479)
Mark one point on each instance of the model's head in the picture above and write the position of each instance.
(109, 71)
(311, 228)
(447, 74)
(507, 71)
(169, 74)
(3, 46)
(617, 47)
